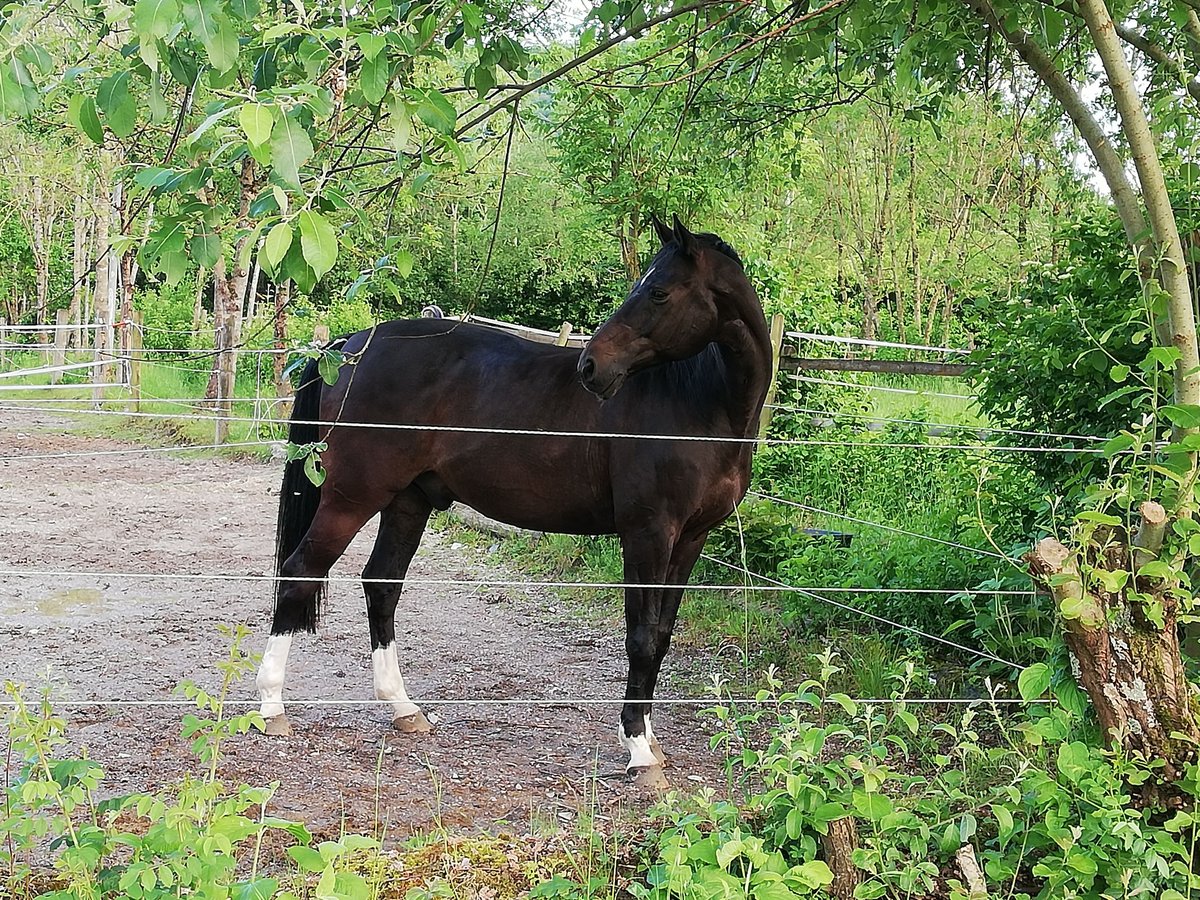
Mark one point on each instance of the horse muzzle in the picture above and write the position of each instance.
(601, 382)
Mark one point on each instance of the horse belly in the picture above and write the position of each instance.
(538, 490)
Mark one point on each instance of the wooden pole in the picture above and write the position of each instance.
(564, 335)
(764, 418)
(62, 319)
(321, 335)
(136, 342)
(3, 341)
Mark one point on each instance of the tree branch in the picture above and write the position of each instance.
(531, 86)
(1159, 56)
(1124, 196)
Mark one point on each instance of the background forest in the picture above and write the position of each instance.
(982, 178)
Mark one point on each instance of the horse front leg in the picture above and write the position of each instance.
(650, 612)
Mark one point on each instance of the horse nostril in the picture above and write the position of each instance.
(587, 369)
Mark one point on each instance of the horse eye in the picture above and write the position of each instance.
(658, 295)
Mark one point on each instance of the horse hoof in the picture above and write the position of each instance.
(414, 724)
(657, 750)
(649, 778)
(278, 726)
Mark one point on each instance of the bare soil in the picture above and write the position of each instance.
(105, 644)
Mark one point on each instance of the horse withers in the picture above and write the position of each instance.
(648, 434)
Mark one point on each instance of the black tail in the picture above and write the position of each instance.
(298, 496)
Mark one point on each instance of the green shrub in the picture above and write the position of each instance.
(1047, 813)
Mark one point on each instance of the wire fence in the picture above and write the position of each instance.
(756, 582)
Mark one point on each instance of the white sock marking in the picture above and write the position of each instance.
(389, 683)
(270, 675)
(640, 754)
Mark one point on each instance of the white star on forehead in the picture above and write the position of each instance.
(647, 274)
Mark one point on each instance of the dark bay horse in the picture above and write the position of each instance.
(688, 354)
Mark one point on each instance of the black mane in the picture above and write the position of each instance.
(720, 246)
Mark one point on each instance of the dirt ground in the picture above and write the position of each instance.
(127, 637)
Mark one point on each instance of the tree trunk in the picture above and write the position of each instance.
(283, 295)
(229, 293)
(838, 847)
(1126, 649)
(1173, 269)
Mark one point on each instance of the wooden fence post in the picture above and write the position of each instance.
(321, 335)
(136, 342)
(764, 420)
(564, 334)
(61, 322)
(3, 342)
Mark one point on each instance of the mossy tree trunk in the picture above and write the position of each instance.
(1124, 641)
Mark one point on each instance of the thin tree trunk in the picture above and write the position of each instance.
(1168, 248)
(283, 295)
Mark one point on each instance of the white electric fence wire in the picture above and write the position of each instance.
(33, 329)
(136, 451)
(861, 342)
(776, 583)
(983, 429)
(538, 701)
(484, 582)
(892, 528)
(59, 387)
(878, 387)
(424, 582)
(596, 435)
(47, 370)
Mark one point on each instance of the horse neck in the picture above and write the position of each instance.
(745, 343)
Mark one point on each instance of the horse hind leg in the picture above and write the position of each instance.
(334, 526)
(400, 528)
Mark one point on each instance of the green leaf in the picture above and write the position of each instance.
(1004, 819)
(308, 859)
(401, 117)
(1156, 568)
(213, 29)
(1162, 357)
(81, 112)
(1034, 681)
(371, 43)
(155, 18)
(846, 703)
(873, 806)
(318, 241)
(1074, 760)
(259, 889)
(374, 76)
(1082, 863)
(814, 873)
(205, 249)
(279, 241)
(1183, 415)
(404, 261)
(117, 104)
(1119, 373)
(436, 111)
(291, 148)
(257, 121)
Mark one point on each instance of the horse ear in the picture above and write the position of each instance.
(663, 232)
(684, 238)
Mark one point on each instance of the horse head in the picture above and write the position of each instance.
(688, 294)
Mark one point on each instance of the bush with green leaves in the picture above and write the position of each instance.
(1047, 812)
(199, 838)
(1068, 353)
